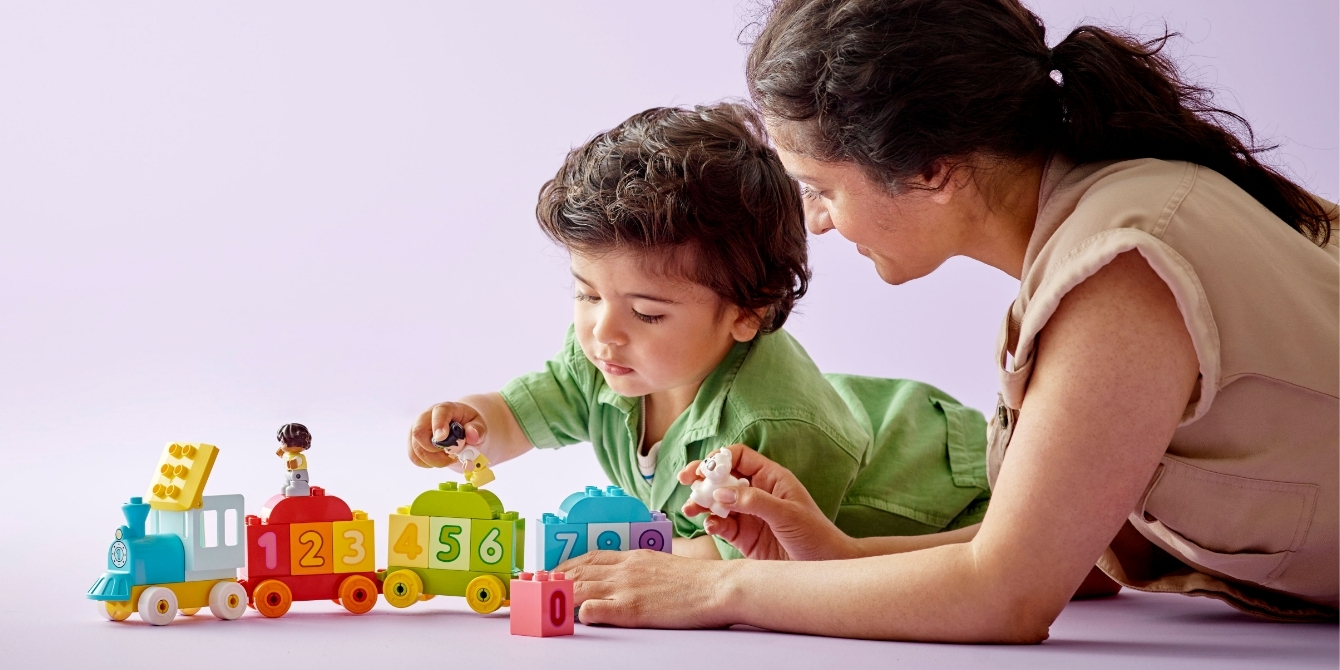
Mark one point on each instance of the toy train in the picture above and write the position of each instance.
(181, 551)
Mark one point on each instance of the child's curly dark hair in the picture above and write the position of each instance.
(699, 191)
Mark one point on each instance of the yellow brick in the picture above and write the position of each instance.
(355, 546)
(179, 480)
(407, 540)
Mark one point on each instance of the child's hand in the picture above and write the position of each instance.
(434, 425)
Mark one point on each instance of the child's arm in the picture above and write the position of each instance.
(489, 427)
(702, 546)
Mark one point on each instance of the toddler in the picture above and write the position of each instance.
(688, 252)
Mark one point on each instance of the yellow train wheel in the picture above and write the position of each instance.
(402, 588)
(189, 611)
(272, 598)
(358, 594)
(113, 611)
(485, 594)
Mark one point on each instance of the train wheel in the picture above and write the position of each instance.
(272, 598)
(485, 594)
(111, 612)
(402, 588)
(358, 594)
(158, 605)
(426, 596)
(189, 611)
(227, 600)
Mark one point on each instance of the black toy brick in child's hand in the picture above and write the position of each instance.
(457, 434)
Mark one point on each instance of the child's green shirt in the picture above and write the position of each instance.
(879, 456)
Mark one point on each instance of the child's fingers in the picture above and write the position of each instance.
(475, 432)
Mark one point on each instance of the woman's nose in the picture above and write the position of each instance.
(816, 219)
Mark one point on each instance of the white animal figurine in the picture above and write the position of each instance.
(715, 473)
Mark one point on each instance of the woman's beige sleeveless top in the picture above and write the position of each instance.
(1244, 505)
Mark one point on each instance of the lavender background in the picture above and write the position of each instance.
(220, 217)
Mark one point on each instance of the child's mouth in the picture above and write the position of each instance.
(613, 369)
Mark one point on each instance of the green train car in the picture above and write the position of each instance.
(454, 541)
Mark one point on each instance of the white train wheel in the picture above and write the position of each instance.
(158, 605)
(228, 600)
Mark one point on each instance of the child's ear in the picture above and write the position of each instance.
(747, 323)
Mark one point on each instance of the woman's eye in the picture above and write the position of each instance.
(809, 192)
(648, 318)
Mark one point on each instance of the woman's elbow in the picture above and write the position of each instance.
(1023, 619)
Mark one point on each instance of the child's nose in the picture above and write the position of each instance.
(607, 330)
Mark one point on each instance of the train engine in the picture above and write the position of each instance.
(179, 551)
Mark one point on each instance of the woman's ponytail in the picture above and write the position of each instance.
(1122, 99)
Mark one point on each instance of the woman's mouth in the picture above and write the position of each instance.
(613, 368)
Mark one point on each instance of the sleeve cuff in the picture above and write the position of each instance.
(528, 415)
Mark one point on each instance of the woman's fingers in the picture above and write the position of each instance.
(689, 473)
(646, 588)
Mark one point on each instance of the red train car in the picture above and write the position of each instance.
(310, 548)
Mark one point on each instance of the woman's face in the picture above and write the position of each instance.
(907, 235)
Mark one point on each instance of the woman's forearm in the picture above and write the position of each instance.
(881, 546)
(939, 594)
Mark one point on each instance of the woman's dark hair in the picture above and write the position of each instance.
(898, 85)
(700, 192)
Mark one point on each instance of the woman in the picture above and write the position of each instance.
(1169, 370)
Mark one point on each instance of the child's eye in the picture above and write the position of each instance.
(583, 297)
(648, 318)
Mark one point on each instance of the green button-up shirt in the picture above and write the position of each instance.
(879, 456)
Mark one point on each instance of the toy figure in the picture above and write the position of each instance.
(469, 461)
(715, 473)
(295, 440)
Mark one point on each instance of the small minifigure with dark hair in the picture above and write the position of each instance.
(294, 439)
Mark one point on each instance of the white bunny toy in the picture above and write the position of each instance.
(715, 473)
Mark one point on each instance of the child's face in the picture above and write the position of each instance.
(648, 333)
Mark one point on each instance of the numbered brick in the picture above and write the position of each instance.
(311, 548)
(654, 535)
(607, 537)
(541, 604)
(449, 543)
(492, 545)
(355, 549)
(559, 541)
(407, 540)
(267, 549)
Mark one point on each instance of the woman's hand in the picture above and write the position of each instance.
(774, 518)
(651, 589)
(435, 424)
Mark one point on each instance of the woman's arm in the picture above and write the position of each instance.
(1115, 368)
(489, 425)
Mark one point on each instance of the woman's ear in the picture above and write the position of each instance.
(747, 323)
(943, 179)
